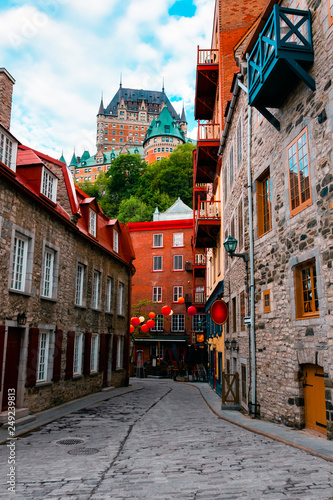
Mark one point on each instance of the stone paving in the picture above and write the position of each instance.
(159, 443)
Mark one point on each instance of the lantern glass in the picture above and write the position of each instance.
(230, 244)
(227, 344)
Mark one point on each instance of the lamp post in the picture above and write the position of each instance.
(230, 245)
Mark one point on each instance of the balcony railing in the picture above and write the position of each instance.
(208, 132)
(209, 210)
(200, 259)
(279, 59)
(207, 56)
(199, 298)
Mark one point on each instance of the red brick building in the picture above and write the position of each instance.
(164, 272)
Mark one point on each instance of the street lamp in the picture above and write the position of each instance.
(230, 245)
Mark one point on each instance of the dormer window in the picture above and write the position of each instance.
(8, 151)
(92, 222)
(115, 241)
(49, 185)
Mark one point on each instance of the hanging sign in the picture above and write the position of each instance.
(219, 312)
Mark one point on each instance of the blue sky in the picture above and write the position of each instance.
(64, 53)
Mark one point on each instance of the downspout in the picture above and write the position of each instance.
(252, 309)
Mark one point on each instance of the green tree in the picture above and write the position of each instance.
(133, 210)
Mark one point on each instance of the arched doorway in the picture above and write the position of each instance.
(314, 398)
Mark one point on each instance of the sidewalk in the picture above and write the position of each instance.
(47, 416)
(298, 439)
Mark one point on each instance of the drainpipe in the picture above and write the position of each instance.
(252, 310)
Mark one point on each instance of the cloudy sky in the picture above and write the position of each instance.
(64, 53)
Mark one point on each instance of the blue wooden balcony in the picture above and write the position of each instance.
(280, 59)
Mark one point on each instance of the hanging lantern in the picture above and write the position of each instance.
(131, 328)
(181, 300)
(141, 318)
(135, 321)
(150, 323)
(144, 328)
(166, 310)
(219, 312)
(192, 310)
(171, 313)
(152, 315)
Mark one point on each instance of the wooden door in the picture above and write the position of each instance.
(12, 364)
(314, 398)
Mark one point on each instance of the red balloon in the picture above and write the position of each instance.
(181, 300)
(135, 321)
(192, 310)
(144, 328)
(131, 328)
(219, 312)
(166, 310)
(150, 323)
(152, 315)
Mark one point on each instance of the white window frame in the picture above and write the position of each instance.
(177, 292)
(178, 323)
(43, 356)
(92, 222)
(21, 265)
(115, 241)
(158, 323)
(120, 352)
(49, 185)
(94, 353)
(195, 320)
(96, 289)
(50, 273)
(157, 294)
(109, 294)
(79, 283)
(121, 302)
(8, 150)
(180, 259)
(157, 237)
(77, 356)
(178, 239)
(156, 266)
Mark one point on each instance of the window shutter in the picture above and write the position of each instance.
(70, 354)
(126, 353)
(32, 357)
(2, 345)
(114, 352)
(87, 353)
(57, 355)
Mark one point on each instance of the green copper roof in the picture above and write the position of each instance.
(62, 158)
(165, 125)
(73, 162)
(85, 155)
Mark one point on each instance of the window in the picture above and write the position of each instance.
(80, 281)
(115, 241)
(94, 353)
(92, 222)
(47, 273)
(8, 151)
(109, 292)
(225, 183)
(242, 310)
(77, 359)
(19, 266)
(49, 185)
(121, 302)
(234, 314)
(157, 240)
(96, 290)
(157, 263)
(43, 356)
(158, 323)
(157, 294)
(178, 263)
(177, 292)
(266, 297)
(243, 386)
(264, 203)
(178, 322)
(306, 292)
(198, 322)
(299, 174)
(120, 352)
(240, 225)
(330, 12)
(231, 166)
(178, 239)
(239, 143)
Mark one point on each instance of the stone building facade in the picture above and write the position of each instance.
(65, 284)
(291, 204)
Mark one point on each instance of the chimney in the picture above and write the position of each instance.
(6, 92)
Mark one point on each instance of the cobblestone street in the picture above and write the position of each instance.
(161, 443)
